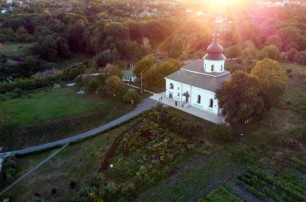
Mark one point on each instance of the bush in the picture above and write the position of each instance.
(8, 169)
(288, 71)
(223, 133)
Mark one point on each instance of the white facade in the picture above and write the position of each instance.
(213, 66)
(198, 98)
(129, 79)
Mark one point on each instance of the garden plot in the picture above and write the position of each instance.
(270, 188)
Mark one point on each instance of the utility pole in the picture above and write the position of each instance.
(141, 91)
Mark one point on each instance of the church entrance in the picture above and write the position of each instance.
(186, 96)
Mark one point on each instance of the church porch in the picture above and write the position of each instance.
(161, 97)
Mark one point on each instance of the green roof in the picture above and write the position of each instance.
(127, 73)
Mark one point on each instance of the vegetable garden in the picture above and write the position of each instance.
(268, 187)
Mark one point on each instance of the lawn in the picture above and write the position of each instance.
(17, 49)
(65, 63)
(75, 165)
(49, 114)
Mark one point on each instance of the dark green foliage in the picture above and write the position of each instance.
(8, 170)
(107, 56)
(26, 84)
(70, 73)
(239, 97)
(223, 133)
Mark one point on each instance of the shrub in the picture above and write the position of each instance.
(8, 170)
(223, 133)
(288, 71)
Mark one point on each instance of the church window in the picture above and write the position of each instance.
(178, 94)
(212, 68)
(211, 103)
(221, 67)
(171, 86)
(199, 99)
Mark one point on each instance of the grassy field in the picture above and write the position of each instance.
(55, 113)
(65, 63)
(75, 164)
(17, 49)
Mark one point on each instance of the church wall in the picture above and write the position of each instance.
(180, 88)
(218, 65)
(206, 96)
(176, 91)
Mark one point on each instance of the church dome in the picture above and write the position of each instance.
(214, 51)
(215, 48)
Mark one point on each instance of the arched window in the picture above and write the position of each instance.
(212, 68)
(171, 86)
(199, 99)
(211, 103)
(221, 68)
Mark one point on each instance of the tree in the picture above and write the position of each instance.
(46, 47)
(239, 97)
(156, 73)
(30, 64)
(274, 40)
(3, 61)
(107, 56)
(144, 64)
(114, 85)
(130, 96)
(272, 79)
(271, 52)
(92, 85)
(112, 70)
(289, 34)
(233, 51)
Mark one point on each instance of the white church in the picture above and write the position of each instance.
(195, 84)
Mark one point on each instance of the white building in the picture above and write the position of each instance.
(195, 84)
(128, 76)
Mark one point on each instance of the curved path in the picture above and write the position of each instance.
(145, 105)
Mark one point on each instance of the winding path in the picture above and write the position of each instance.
(145, 105)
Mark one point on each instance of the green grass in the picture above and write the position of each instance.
(65, 63)
(48, 104)
(17, 49)
(54, 107)
(77, 163)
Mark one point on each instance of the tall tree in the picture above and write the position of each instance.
(114, 85)
(271, 52)
(272, 79)
(239, 97)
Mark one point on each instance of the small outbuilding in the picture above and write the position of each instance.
(128, 76)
